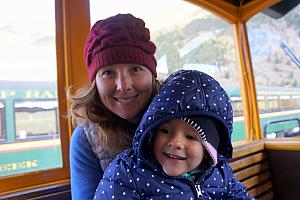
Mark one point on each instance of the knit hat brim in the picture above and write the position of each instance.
(119, 55)
(208, 134)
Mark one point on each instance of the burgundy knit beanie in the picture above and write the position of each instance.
(122, 38)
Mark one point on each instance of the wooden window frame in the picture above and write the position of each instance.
(69, 15)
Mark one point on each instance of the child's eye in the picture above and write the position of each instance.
(164, 131)
(191, 137)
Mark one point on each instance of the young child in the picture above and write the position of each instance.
(180, 147)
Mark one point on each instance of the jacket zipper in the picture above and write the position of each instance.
(197, 184)
(198, 190)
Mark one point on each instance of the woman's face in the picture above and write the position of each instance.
(125, 89)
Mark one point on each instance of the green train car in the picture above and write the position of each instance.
(29, 146)
(279, 112)
(25, 144)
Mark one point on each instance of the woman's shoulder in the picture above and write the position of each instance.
(78, 136)
(79, 142)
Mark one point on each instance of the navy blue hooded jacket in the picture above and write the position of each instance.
(135, 174)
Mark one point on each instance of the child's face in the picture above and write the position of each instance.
(177, 148)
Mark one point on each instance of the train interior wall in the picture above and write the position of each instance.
(285, 170)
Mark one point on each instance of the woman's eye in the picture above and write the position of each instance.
(136, 68)
(106, 73)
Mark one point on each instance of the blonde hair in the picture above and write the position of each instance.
(107, 133)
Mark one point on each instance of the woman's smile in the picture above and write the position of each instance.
(126, 99)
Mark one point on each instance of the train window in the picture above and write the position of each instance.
(28, 79)
(35, 120)
(286, 102)
(273, 103)
(261, 104)
(187, 37)
(2, 122)
(296, 101)
(275, 47)
(237, 106)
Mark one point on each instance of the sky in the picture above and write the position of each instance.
(157, 14)
(27, 37)
(27, 30)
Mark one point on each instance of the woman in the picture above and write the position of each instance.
(120, 61)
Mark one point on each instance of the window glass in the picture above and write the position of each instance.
(28, 89)
(187, 37)
(2, 123)
(35, 119)
(275, 52)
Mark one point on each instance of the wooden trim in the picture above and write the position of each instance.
(250, 148)
(33, 180)
(72, 14)
(61, 83)
(240, 143)
(76, 25)
(59, 189)
(253, 7)
(241, 63)
(71, 70)
(283, 145)
(223, 9)
(248, 90)
(75, 13)
(232, 14)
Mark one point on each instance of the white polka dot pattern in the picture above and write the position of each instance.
(135, 175)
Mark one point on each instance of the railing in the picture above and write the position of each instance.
(283, 133)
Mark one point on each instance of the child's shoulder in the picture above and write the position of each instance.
(221, 170)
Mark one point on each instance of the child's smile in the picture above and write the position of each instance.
(175, 157)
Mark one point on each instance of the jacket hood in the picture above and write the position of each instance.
(186, 93)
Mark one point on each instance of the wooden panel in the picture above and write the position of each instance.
(253, 181)
(261, 189)
(250, 171)
(251, 166)
(249, 160)
(285, 167)
(266, 196)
